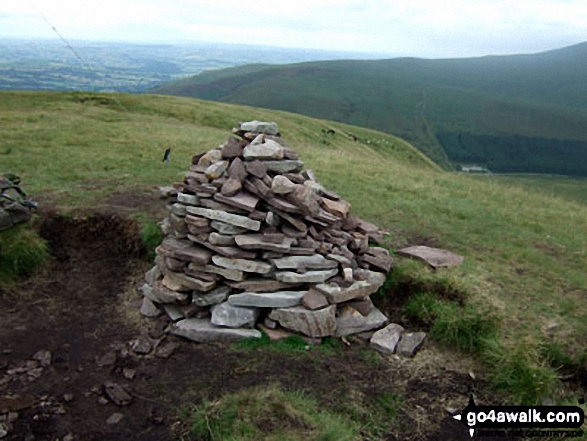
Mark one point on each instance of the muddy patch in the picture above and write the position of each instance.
(73, 350)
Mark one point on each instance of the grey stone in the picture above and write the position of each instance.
(237, 170)
(282, 185)
(216, 170)
(216, 205)
(385, 340)
(210, 158)
(167, 192)
(342, 260)
(166, 350)
(213, 297)
(233, 252)
(115, 418)
(313, 262)
(221, 240)
(148, 308)
(108, 359)
(188, 199)
(337, 208)
(379, 258)
(321, 323)
(348, 274)
(229, 274)
(272, 219)
(364, 306)
(267, 150)
(232, 148)
(128, 373)
(224, 228)
(175, 264)
(179, 210)
(43, 357)
(232, 316)
(410, 343)
(269, 128)
(257, 242)
(351, 321)
(434, 257)
(141, 345)
(117, 394)
(228, 218)
(174, 312)
(5, 220)
(249, 266)
(314, 299)
(280, 299)
(285, 166)
(361, 288)
(160, 294)
(308, 277)
(231, 187)
(256, 168)
(202, 331)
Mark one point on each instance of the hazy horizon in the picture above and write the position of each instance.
(415, 28)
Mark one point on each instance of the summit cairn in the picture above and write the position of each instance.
(252, 240)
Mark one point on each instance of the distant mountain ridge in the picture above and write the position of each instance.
(514, 113)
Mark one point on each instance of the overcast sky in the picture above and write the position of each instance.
(425, 28)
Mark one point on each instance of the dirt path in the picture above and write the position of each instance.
(83, 310)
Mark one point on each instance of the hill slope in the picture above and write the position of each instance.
(525, 252)
(522, 113)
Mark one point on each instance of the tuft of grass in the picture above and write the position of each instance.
(268, 413)
(151, 237)
(465, 328)
(22, 251)
(520, 371)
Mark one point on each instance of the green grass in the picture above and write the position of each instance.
(525, 251)
(266, 413)
(22, 252)
(151, 237)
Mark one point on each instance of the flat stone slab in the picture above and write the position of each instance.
(280, 299)
(160, 294)
(261, 285)
(186, 250)
(230, 274)
(224, 228)
(351, 321)
(244, 201)
(248, 266)
(285, 166)
(307, 277)
(202, 331)
(221, 240)
(148, 308)
(228, 251)
(435, 257)
(386, 340)
(184, 282)
(228, 218)
(258, 242)
(338, 208)
(188, 199)
(269, 128)
(321, 323)
(410, 343)
(233, 316)
(313, 262)
(359, 289)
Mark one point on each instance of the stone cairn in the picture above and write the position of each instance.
(252, 240)
(15, 207)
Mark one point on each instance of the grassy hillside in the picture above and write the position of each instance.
(525, 252)
(523, 113)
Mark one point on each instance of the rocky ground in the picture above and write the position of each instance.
(78, 362)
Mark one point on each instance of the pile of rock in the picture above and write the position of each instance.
(252, 240)
(15, 208)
